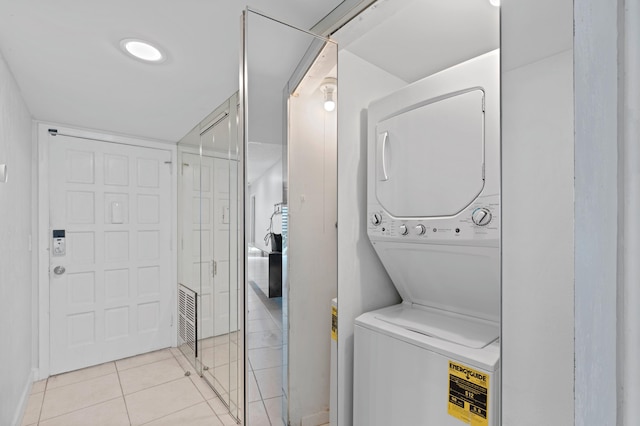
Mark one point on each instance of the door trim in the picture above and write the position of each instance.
(41, 326)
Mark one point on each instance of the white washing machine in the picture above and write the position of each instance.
(434, 206)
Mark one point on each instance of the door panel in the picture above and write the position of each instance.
(221, 245)
(114, 299)
(208, 245)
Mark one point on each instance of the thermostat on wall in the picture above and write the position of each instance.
(3, 173)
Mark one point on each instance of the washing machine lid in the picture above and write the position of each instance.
(463, 330)
(461, 279)
(430, 156)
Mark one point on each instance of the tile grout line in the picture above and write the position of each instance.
(116, 370)
(261, 398)
(151, 387)
(148, 363)
(79, 409)
(273, 320)
(80, 381)
(206, 401)
(155, 386)
(126, 407)
(44, 393)
(47, 389)
(174, 412)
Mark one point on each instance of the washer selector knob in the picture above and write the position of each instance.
(481, 216)
(404, 230)
(376, 219)
(420, 229)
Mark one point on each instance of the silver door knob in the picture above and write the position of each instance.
(59, 270)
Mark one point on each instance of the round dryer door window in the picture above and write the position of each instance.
(430, 158)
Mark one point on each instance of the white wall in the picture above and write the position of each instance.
(629, 234)
(596, 195)
(312, 258)
(537, 213)
(363, 283)
(268, 191)
(16, 285)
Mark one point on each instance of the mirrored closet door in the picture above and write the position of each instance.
(289, 93)
(209, 324)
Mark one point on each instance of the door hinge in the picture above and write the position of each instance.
(215, 268)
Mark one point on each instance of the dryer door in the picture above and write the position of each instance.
(430, 158)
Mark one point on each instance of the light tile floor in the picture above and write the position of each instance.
(264, 346)
(149, 389)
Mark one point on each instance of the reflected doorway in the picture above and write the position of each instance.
(291, 274)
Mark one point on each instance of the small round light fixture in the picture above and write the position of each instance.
(142, 50)
(328, 87)
(495, 3)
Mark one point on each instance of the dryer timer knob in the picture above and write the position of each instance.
(481, 216)
(404, 230)
(420, 229)
(376, 219)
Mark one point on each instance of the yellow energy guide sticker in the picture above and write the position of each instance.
(334, 323)
(468, 394)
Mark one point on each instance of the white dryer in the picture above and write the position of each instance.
(434, 206)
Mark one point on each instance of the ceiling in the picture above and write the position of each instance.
(65, 56)
(412, 39)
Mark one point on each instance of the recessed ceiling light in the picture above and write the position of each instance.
(495, 3)
(142, 50)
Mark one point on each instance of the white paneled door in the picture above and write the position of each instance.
(110, 289)
(221, 303)
(205, 245)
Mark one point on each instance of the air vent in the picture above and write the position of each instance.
(188, 319)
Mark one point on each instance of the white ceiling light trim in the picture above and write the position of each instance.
(142, 50)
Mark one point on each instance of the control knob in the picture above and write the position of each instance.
(404, 230)
(420, 229)
(376, 219)
(481, 216)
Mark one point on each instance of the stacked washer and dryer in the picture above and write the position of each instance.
(433, 207)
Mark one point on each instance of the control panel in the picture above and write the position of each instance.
(58, 244)
(479, 221)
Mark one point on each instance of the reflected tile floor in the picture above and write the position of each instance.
(264, 345)
(148, 389)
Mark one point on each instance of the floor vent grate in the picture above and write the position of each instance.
(188, 319)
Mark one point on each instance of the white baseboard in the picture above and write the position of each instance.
(24, 399)
(315, 419)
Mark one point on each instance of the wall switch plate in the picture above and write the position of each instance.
(3, 173)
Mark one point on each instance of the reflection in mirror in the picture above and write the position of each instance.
(291, 220)
(208, 263)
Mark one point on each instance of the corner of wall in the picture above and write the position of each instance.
(538, 278)
(16, 256)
